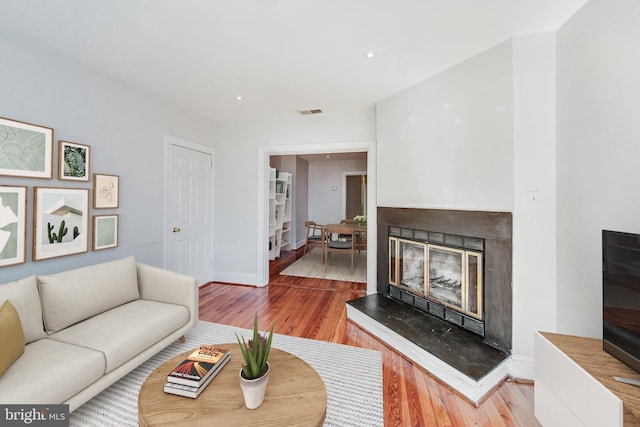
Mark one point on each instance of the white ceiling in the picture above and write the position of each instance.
(281, 56)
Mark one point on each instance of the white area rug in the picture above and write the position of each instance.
(339, 267)
(352, 375)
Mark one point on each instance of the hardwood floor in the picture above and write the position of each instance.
(315, 308)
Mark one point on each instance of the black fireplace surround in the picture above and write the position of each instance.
(493, 228)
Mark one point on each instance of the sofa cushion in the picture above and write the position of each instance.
(125, 331)
(50, 372)
(75, 295)
(11, 336)
(26, 300)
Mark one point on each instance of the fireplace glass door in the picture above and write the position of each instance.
(407, 262)
(446, 275)
(451, 277)
(474, 285)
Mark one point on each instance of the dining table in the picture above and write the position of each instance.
(360, 230)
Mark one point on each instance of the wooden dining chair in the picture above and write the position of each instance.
(314, 237)
(332, 242)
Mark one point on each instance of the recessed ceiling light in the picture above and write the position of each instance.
(238, 98)
(369, 54)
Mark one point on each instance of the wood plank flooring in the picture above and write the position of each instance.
(315, 308)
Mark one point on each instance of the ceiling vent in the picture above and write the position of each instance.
(314, 111)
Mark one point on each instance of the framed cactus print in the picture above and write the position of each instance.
(13, 228)
(26, 150)
(73, 161)
(105, 231)
(60, 222)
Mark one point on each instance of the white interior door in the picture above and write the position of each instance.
(190, 212)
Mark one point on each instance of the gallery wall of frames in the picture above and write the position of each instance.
(63, 223)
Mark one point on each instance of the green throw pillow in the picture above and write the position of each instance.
(11, 336)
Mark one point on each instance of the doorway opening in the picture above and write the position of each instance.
(331, 149)
(318, 189)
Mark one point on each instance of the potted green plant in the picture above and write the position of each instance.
(254, 374)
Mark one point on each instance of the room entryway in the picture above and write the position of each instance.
(326, 188)
(265, 153)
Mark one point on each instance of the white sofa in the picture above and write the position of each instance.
(88, 327)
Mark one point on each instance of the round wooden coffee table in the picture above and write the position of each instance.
(295, 396)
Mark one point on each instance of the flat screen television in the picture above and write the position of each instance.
(621, 296)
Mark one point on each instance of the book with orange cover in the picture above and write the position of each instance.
(194, 392)
(199, 365)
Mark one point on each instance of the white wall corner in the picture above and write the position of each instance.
(522, 367)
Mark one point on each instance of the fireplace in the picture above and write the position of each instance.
(439, 273)
(484, 237)
(444, 294)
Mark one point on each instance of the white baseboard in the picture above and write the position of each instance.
(522, 367)
(237, 278)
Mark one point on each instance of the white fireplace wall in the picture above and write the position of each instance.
(598, 151)
(447, 142)
(467, 139)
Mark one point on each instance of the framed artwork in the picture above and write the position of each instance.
(13, 226)
(73, 161)
(105, 231)
(106, 191)
(60, 222)
(26, 150)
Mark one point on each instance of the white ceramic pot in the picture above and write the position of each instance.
(253, 390)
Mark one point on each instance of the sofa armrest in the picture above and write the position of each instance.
(162, 285)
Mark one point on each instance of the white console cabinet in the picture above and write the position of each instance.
(574, 384)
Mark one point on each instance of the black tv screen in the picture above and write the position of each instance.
(621, 296)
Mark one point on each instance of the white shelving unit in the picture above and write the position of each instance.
(279, 212)
(272, 213)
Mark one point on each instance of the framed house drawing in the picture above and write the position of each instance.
(60, 222)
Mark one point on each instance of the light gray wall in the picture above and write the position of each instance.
(534, 221)
(598, 151)
(125, 128)
(236, 178)
(326, 188)
(447, 142)
(302, 200)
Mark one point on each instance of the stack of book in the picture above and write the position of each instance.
(193, 375)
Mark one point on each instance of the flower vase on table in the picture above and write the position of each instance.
(361, 219)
